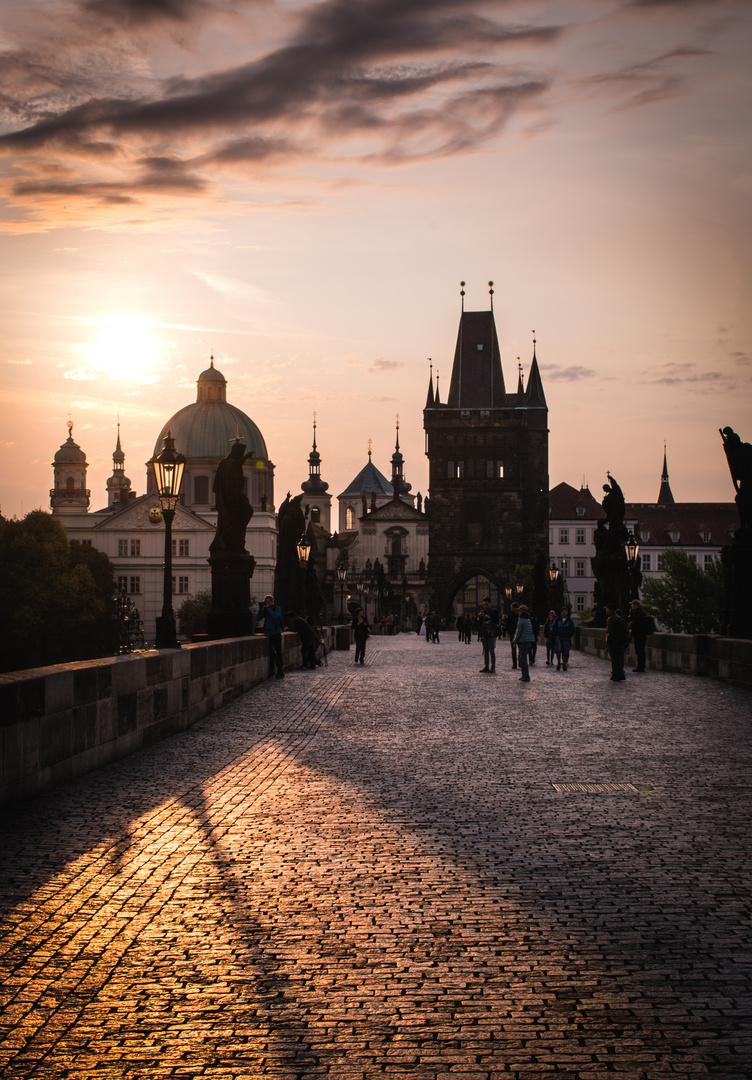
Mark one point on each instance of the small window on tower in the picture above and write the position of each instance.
(349, 518)
(499, 470)
(316, 514)
(480, 348)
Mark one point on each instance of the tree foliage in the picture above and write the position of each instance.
(193, 613)
(688, 600)
(56, 596)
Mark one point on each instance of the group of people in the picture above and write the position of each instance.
(522, 628)
(311, 638)
(519, 625)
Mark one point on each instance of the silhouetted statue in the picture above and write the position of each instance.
(234, 511)
(288, 583)
(419, 502)
(613, 503)
(739, 458)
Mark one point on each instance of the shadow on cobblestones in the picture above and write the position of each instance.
(365, 872)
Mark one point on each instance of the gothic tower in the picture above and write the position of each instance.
(488, 470)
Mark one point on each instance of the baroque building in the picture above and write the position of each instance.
(488, 472)
(130, 528)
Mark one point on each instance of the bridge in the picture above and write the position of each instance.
(406, 868)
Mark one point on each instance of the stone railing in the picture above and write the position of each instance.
(60, 722)
(726, 659)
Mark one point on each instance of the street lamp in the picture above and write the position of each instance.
(631, 547)
(519, 589)
(168, 469)
(303, 547)
(553, 572)
(342, 578)
(631, 550)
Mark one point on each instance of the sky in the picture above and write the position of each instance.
(298, 188)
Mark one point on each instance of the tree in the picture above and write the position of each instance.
(688, 599)
(56, 596)
(193, 613)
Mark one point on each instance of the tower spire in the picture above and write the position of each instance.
(535, 395)
(429, 396)
(665, 495)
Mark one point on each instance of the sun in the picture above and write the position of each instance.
(126, 350)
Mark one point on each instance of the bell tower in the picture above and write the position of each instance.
(70, 493)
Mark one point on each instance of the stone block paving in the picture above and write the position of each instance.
(361, 872)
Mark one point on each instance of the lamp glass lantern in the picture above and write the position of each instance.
(304, 549)
(631, 547)
(168, 469)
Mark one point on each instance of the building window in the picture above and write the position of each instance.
(135, 585)
(659, 562)
(135, 547)
(474, 532)
(201, 489)
(705, 537)
(183, 547)
(563, 536)
(499, 470)
(580, 511)
(479, 348)
(86, 543)
(645, 535)
(349, 518)
(708, 561)
(122, 547)
(563, 567)
(579, 536)
(674, 535)
(579, 601)
(579, 568)
(459, 470)
(647, 562)
(450, 470)
(180, 585)
(693, 557)
(122, 584)
(315, 514)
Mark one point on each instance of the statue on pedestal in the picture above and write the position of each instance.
(231, 565)
(737, 556)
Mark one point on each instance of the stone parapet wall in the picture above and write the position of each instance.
(57, 723)
(726, 659)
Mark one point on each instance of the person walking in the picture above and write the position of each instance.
(523, 640)
(361, 634)
(549, 637)
(511, 630)
(617, 639)
(563, 631)
(271, 613)
(641, 626)
(488, 631)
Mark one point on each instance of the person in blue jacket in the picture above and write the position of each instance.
(562, 632)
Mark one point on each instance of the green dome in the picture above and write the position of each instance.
(206, 430)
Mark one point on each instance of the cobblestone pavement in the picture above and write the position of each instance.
(369, 871)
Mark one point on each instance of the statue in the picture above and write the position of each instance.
(736, 557)
(739, 458)
(613, 503)
(234, 511)
(288, 583)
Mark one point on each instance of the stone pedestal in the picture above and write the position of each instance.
(737, 573)
(231, 614)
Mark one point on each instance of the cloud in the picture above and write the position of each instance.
(673, 374)
(568, 374)
(382, 400)
(739, 358)
(380, 364)
(24, 362)
(80, 374)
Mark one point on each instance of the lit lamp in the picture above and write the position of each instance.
(168, 472)
(519, 589)
(553, 572)
(508, 594)
(631, 550)
(304, 550)
(341, 578)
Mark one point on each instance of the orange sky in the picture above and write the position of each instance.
(300, 187)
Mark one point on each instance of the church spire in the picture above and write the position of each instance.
(535, 396)
(665, 495)
(430, 399)
(520, 384)
(118, 485)
(477, 381)
(314, 483)
(399, 487)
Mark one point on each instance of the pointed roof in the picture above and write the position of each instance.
(534, 397)
(399, 484)
(314, 484)
(665, 495)
(429, 396)
(477, 379)
(369, 481)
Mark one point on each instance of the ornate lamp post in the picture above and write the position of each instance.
(631, 550)
(341, 578)
(168, 472)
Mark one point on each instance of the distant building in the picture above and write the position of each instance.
(700, 529)
(488, 473)
(130, 529)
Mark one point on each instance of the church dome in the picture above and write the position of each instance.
(207, 429)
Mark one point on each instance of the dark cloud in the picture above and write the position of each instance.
(137, 13)
(386, 365)
(673, 374)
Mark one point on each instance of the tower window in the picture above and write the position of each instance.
(70, 483)
(459, 470)
(201, 489)
(479, 348)
(349, 518)
(474, 532)
(316, 514)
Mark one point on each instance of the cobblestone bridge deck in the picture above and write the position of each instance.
(372, 871)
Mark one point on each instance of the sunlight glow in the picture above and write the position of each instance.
(126, 350)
